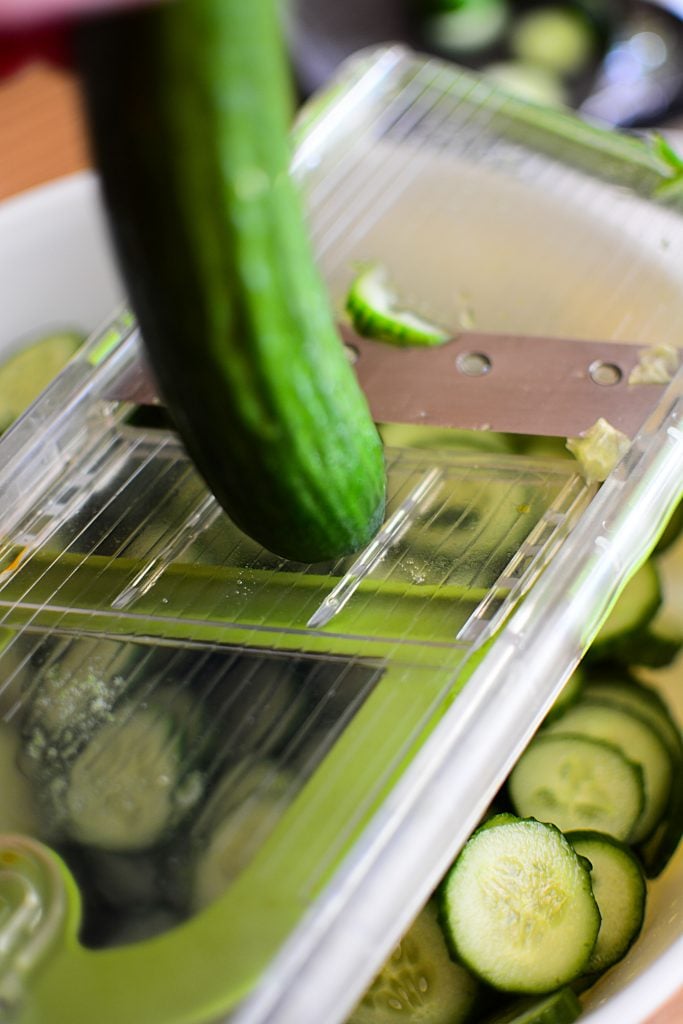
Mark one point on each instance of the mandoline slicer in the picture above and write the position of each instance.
(239, 778)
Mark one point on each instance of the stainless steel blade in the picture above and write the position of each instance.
(503, 382)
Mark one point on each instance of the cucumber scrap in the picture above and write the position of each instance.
(375, 312)
(528, 82)
(598, 450)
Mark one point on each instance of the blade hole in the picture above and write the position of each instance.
(473, 364)
(604, 374)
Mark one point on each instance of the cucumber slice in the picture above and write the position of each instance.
(644, 701)
(561, 1007)
(419, 982)
(619, 888)
(242, 810)
(637, 604)
(26, 373)
(557, 38)
(570, 693)
(575, 782)
(672, 530)
(469, 28)
(127, 788)
(658, 850)
(638, 741)
(375, 312)
(518, 907)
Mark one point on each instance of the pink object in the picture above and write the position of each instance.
(16, 14)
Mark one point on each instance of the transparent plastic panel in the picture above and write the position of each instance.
(428, 174)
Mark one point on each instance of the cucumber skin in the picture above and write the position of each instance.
(579, 835)
(188, 110)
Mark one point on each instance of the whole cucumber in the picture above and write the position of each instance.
(189, 106)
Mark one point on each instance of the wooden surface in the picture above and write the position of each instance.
(41, 138)
(41, 134)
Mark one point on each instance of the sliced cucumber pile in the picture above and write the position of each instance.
(606, 768)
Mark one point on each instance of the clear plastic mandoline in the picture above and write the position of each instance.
(240, 778)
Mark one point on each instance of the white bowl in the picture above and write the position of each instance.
(56, 266)
(57, 270)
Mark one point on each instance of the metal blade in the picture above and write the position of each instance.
(511, 383)
(505, 382)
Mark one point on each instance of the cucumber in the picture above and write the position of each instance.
(518, 907)
(191, 144)
(376, 313)
(637, 741)
(465, 28)
(635, 607)
(656, 852)
(561, 1007)
(568, 695)
(631, 695)
(27, 372)
(575, 782)
(419, 982)
(672, 530)
(242, 810)
(619, 887)
(557, 37)
(129, 786)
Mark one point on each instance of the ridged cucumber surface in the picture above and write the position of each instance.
(189, 108)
